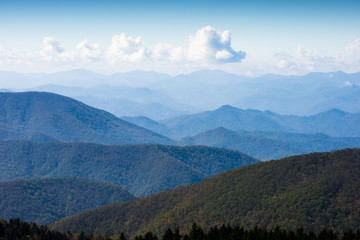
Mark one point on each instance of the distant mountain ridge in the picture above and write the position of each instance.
(269, 145)
(333, 122)
(315, 191)
(209, 89)
(140, 169)
(46, 200)
(47, 116)
(121, 100)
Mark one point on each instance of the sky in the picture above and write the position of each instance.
(243, 37)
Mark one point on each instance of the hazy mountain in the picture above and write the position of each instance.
(269, 145)
(226, 116)
(148, 124)
(47, 200)
(123, 107)
(203, 89)
(333, 122)
(77, 77)
(299, 95)
(141, 169)
(304, 95)
(137, 78)
(122, 100)
(66, 119)
(207, 89)
(315, 191)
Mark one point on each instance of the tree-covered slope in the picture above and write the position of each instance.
(51, 116)
(141, 169)
(46, 200)
(315, 191)
(270, 145)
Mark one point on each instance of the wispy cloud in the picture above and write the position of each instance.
(303, 60)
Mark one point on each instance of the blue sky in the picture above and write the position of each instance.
(258, 37)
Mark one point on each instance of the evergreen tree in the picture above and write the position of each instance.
(196, 233)
(176, 235)
(168, 235)
(150, 236)
(122, 236)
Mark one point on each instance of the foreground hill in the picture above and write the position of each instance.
(47, 200)
(141, 169)
(334, 122)
(315, 191)
(42, 116)
(270, 145)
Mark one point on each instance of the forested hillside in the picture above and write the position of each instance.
(46, 200)
(140, 169)
(313, 191)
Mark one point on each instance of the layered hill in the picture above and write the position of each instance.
(334, 122)
(141, 169)
(46, 200)
(201, 90)
(315, 191)
(270, 145)
(42, 116)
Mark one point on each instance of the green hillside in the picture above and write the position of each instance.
(47, 117)
(47, 200)
(141, 169)
(315, 191)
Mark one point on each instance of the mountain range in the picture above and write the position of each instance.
(202, 90)
(140, 169)
(47, 117)
(46, 200)
(333, 122)
(314, 191)
(270, 145)
(70, 139)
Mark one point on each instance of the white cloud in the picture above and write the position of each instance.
(223, 54)
(6, 56)
(206, 48)
(125, 48)
(354, 46)
(212, 46)
(168, 52)
(207, 45)
(303, 61)
(52, 51)
(88, 52)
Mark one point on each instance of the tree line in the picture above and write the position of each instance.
(15, 229)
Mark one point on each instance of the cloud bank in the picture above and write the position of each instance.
(207, 45)
(205, 48)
